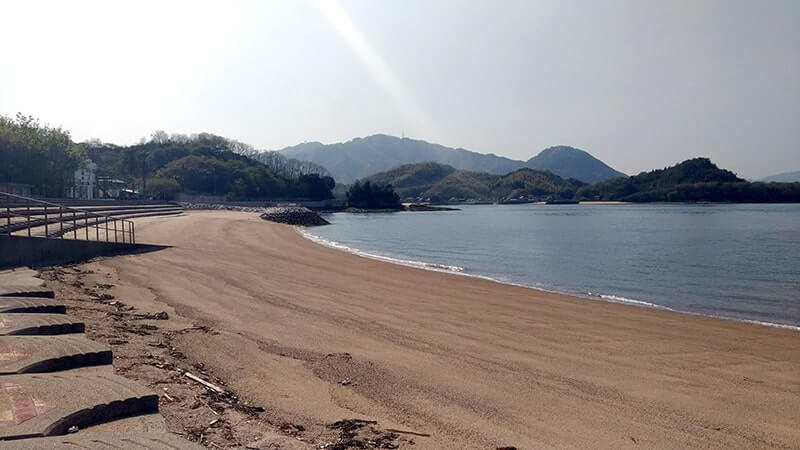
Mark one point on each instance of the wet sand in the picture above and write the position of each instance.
(469, 362)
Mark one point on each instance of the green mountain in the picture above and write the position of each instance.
(361, 157)
(569, 162)
(412, 180)
(439, 182)
(694, 180)
(786, 177)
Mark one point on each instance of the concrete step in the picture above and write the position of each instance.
(36, 354)
(145, 423)
(10, 290)
(37, 405)
(100, 441)
(31, 305)
(39, 324)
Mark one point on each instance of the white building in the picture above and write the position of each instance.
(84, 182)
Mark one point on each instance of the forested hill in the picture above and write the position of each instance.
(694, 180)
(209, 165)
(160, 167)
(360, 157)
(440, 182)
(570, 162)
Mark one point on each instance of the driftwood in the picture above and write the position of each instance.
(394, 430)
(210, 386)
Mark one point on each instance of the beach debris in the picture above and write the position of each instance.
(346, 382)
(72, 429)
(152, 316)
(210, 386)
(291, 428)
(117, 341)
(167, 396)
(359, 433)
(415, 433)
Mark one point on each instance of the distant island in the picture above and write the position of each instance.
(361, 157)
(440, 183)
(694, 180)
(785, 177)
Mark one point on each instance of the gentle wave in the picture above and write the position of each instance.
(404, 262)
(628, 301)
(458, 270)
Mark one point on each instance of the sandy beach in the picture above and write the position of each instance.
(451, 361)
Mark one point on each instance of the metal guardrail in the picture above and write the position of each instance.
(18, 213)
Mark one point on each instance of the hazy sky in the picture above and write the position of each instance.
(640, 84)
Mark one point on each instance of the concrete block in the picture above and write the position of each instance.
(36, 354)
(37, 405)
(31, 305)
(38, 324)
(151, 441)
(8, 290)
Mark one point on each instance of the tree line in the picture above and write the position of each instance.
(160, 166)
(40, 155)
(694, 180)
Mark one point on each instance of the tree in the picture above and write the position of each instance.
(164, 188)
(370, 196)
(136, 161)
(37, 154)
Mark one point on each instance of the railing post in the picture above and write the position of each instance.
(115, 230)
(45, 220)
(61, 222)
(122, 222)
(97, 229)
(106, 228)
(8, 215)
(133, 232)
(29, 220)
(74, 226)
(86, 223)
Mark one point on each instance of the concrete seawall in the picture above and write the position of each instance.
(18, 251)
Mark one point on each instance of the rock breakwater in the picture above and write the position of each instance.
(293, 215)
(217, 206)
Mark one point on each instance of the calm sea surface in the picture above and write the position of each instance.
(737, 261)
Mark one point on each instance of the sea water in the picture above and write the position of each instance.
(733, 261)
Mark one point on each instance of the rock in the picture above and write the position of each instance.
(216, 206)
(293, 215)
(419, 207)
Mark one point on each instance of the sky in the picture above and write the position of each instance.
(639, 84)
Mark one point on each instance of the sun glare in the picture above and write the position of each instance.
(382, 74)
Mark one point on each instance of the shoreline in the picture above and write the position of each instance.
(458, 270)
(314, 336)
